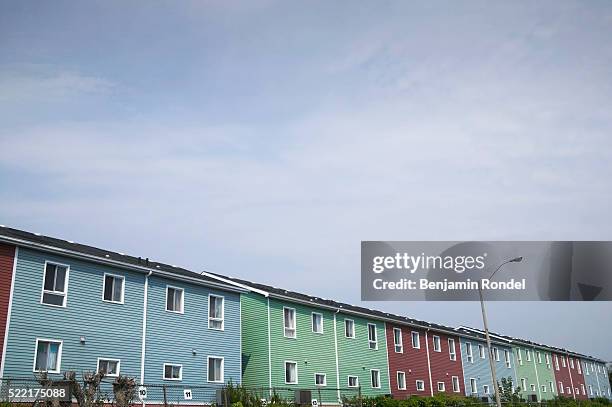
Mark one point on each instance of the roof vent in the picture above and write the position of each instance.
(71, 241)
(37, 234)
(106, 255)
(157, 266)
(121, 254)
(2, 226)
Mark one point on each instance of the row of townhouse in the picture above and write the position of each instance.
(66, 306)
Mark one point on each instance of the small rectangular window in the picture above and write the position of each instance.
(174, 299)
(216, 311)
(561, 389)
(289, 322)
(349, 328)
(456, 388)
(48, 356)
(397, 340)
(578, 366)
(563, 361)
(441, 386)
(590, 389)
(543, 388)
(528, 355)
(55, 285)
(551, 385)
(556, 362)
(452, 352)
(291, 376)
(416, 343)
(420, 385)
(481, 351)
(524, 384)
(582, 388)
(317, 323)
(519, 356)
(507, 358)
(473, 387)
(496, 354)
(112, 290)
(547, 356)
(539, 357)
(215, 369)
(372, 340)
(375, 376)
(485, 389)
(401, 381)
(468, 351)
(353, 381)
(110, 367)
(320, 379)
(173, 372)
(533, 387)
(436, 344)
(571, 361)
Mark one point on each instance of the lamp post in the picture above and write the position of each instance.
(486, 327)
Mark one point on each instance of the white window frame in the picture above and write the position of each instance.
(375, 340)
(455, 384)
(208, 358)
(418, 339)
(222, 319)
(578, 366)
(547, 358)
(180, 378)
(64, 293)
(397, 345)
(473, 386)
(528, 355)
(485, 389)
(590, 389)
(297, 376)
(533, 387)
(348, 383)
(109, 360)
(377, 378)
(452, 351)
(422, 386)
(182, 310)
(114, 276)
(443, 388)
(544, 389)
(439, 342)
(507, 358)
(469, 352)
(571, 362)
(556, 362)
(59, 354)
(563, 363)
(539, 357)
(324, 379)
(552, 386)
(524, 384)
(482, 353)
(583, 389)
(397, 375)
(294, 323)
(496, 354)
(352, 332)
(519, 356)
(312, 315)
(561, 389)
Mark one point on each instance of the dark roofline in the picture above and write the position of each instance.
(67, 248)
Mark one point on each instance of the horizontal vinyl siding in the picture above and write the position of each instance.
(478, 370)
(413, 362)
(255, 362)
(442, 367)
(7, 254)
(111, 330)
(172, 337)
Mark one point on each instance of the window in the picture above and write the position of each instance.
(173, 372)
(216, 311)
(317, 323)
(547, 356)
(372, 341)
(485, 389)
(48, 356)
(401, 381)
(528, 355)
(569, 390)
(571, 362)
(561, 390)
(551, 385)
(416, 343)
(524, 384)
(455, 381)
(320, 379)
(451, 349)
(397, 340)
(576, 391)
(55, 285)
(582, 388)
(291, 376)
(590, 390)
(481, 351)
(441, 386)
(353, 381)
(420, 385)
(563, 361)
(543, 387)
(375, 376)
(496, 354)
(578, 366)
(215, 369)
(473, 388)
(556, 362)
(110, 367)
(539, 356)
(468, 351)
(112, 290)
(174, 299)
(349, 328)
(519, 357)
(507, 357)
(533, 387)
(289, 322)
(436, 344)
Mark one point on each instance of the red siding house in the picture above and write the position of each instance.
(569, 381)
(7, 254)
(446, 365)
(408, 363)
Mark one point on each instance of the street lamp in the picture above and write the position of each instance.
(486, 327)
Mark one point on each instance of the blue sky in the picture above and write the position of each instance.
(266, 139)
